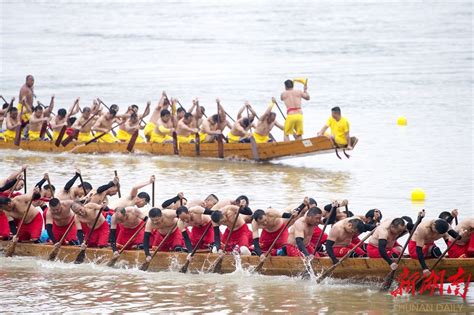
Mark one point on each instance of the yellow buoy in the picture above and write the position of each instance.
(417, 194)
(402, 121)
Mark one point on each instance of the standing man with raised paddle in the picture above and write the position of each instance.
(292, 99)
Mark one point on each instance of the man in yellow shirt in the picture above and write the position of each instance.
(339, 130)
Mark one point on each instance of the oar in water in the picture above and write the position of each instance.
(217, 264)
(388, 280)
(146, 264)
(253, 143)
(114, 259)
(19, 127)
(82, 254)
(60, 136)
(11, 248)
(184, 269)
(96, 137)
(328, 271)
(54, 253)
(118, 190)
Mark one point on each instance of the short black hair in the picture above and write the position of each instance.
(328, 207)
(445, 215)
(71, 120)
(144, 195)
(215, 118)
(188, 115)
(216, 216)
(62, 112)
(4, 201)
(164, 112)
(244, 198)
(213, 196)
(245, 122)
(112, 111)
(313, 202)
(49, 188)
(181, 209)
(258, 214)
(336, 109)
(134, 106)
(313, 211)
(179, 110)
(289, 84)
(37, 108)
(398, 222)
(86, 185)
(54, 202)
(441, 226)
(371, 214)
(358, 224)
(154, 212)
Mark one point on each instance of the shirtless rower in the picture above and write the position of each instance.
(240, 131)
(73, 193)
(197, 218)
(338, 215)
(26, 94)
(209, 130)
(155, 115)
(85, 218)
(133, 124)
(208, 203)
(383, 242)
(340, 134)
(162, 133)
(272, 222)
(301, 233)
(100, 196)
(340, 239)
(124, 223)
(3, 113)
(60, 120)
(241, 237)
(294, 120)
(134, 198)
(58, 218)
(10, 182)
(36, 121)
(464, 247)
(184, 130)
(104, 124)
(13, 121)
(422, 245)
(161, 222)
(47, 192)
(15, 209)
(176, 202)
(84, 125)
(222, 117)
(265, 124)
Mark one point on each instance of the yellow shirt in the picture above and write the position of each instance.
(339, 129)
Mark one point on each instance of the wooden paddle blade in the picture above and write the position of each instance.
(387, 282)
(218, 265)
(18, 136)
(44, 127)
(184, 269)
(175, 143)
(132, 142)
(197, 144)
(80, 257)
(112, 261)
(69, 138)
(144, 266)
(53, 254)
(255, 155)
(10, 249)
(60, 136)
(259, 266)
(220, 147)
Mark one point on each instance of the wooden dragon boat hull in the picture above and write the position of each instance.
(266, 151)
(352, 268)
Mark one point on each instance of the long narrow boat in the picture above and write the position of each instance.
(265, 151)
(352, 268)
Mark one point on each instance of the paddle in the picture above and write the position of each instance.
(118, 189)
(324, 229)
(184, 269)
(219, 138)
(19, 128)
(82, 254)
(82, 185)
(175, 143)
(24, 179)
(11, 248)
(276, 103)
(54, 253)
(330, 269)
(146, 264)
(114, 259)
(255, 155)
(50, 186)
(387, 282)
(153, 194)
(197, 144)
(217, 264)
(133, 140)
(75, 132)
(60, 136)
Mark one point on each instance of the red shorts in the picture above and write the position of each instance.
(373, 251)
(196, 233)
(99, 237)
(341, 251)
(412, 249)
(7, 193)
(4, 227)
(267, 238)
(470, 247)
(124, 234)
(173, 241)
(293, 251)
(458, 250)
(241, 237)
(316, 232)
(32, 230)
(58, 232)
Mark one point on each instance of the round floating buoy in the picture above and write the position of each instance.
(402, 121)
(417, 195)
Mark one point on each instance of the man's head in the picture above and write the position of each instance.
(210, 201)
(314, 216)
(183, 214)
(48, 191)
(165, 115)
(134, 118)
(5, 203)
(78, 209)
(260, 217)
(336, 113)
(271, 117)
(214, 119)
(38, 111)
(120, 214)
(155, 215)
(217, 217)
(54, 205)
(188, 118)
(80, 190)
(142, 199)
(288, 85)
(373, 216)
(448, 217)
(180, 112)
(355, 226)
(114, 107)
(134, 108)
(62, 112)
(13, 112)
(71, 121)
(440, 226)
(245, 123)
(397, 226)
(30, 81)
(86, 112)
(112, 113)
(242, 197)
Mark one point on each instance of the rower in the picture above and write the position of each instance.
(222, 117)
(340, 239)
(337, 215)
(422, 245)
(464, 247)
(13, 121)
(131, 126)
(84, 125)
(209, 129)
(36, 122)
(124, 223)
(294, 120)
(155, 115)
(7, 184)
(47, 192)
(197, 218)
(373, 217)
(301, 232)
(265, 124)
(85, 218)
(383, 242)
(73, 193)
(104, 124)
(208, 203)
(339, 125)
(60, 120)
(272, 222)
(241, 237)
(157, 227)
(162, 133)
(186, 134)
(240, 131)
(58, 217)
(15, 209)
(3, 113)
(109, 189)
(134, 198)
(26, 93)
(175, 202)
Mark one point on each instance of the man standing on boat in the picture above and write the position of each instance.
(339, 125)
(294, 120)
(26, 93)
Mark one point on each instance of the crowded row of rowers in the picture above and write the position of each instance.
(184, 223)
(168, 122)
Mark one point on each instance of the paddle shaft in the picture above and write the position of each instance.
(60, 136)
(104, 133)
(153, 194)
(118, 190)
(24, 180)
(82, 185)
(77, 131)
(80, 256)
(324, 229)
(50, 187)
(164, 240)
(280, 110)
(55, 251)
(18, 129)
(11, 249)
(186, 264)
(134, 137)
(133, 236)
